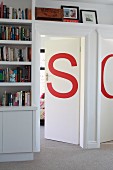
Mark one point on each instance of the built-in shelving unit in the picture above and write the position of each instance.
(17, 111)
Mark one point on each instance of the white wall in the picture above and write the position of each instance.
(104, 12)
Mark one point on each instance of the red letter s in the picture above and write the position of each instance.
(103, 90)
(63, 75)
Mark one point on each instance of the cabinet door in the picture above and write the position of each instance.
(0, 132)
(17, 131)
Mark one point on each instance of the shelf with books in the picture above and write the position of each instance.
(15, 74)
(15, 10)
(14, 54)
(18, 98)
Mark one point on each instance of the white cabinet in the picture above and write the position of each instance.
(0, 132)
(17, 131)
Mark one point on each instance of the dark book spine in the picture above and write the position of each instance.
(26, 13)
(7, 12)
(4, 11)
(0, 32)
(18, 74)
(23, 98)
(2, 54)
(22, 33)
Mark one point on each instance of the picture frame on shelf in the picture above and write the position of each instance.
(88, 16)
(70, 12)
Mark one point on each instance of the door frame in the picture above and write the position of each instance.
(68, 30)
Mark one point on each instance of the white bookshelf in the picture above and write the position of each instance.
(21, 118)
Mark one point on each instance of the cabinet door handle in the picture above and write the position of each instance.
(46, 76)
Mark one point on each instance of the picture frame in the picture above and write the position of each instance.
(70, 12)
(88, 16)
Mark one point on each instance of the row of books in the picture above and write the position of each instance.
(13, 13)
(15, 33)
(19, 74)
(21, 98)
(15, 54)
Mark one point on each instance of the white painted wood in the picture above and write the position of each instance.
(19, 123)
(109, 2)
(82, 92)
(1, 132)
(36, 84)
(99, 89)
(14, 63)
(17, 131)
(15, 21)
(15, 84)
(16, 157)
(17, 108)
(106, 115)
(70, 29)
(62, 115)
(15, 42)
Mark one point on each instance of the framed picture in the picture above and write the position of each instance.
(88, 16)
(71, 12)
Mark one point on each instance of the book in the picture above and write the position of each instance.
(1, 75)
(23, 98)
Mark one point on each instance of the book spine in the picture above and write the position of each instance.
(20, 98)
(13, 33)
(17, 33)
(28, 99)
(10, 12)
(18, 74)
(23, 98)
(7, 12)
(26, 13)
(7, 33)
(4, 11)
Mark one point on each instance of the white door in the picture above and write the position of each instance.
(106, 115)
(62, 57)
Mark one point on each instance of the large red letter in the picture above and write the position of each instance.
(63, 75)
(103, 90)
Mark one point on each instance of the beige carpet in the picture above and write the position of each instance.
(62, 156)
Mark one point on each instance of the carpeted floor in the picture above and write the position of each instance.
(62, 156)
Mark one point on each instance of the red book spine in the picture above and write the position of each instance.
(2, 10)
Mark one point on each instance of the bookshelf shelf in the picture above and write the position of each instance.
(14, 63)
(4, 84)
(15, 21)
(14, 42)
(17, 108)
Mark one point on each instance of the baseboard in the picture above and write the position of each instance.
(16, 157)
(93, 145)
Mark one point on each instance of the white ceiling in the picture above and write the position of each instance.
(94, 1)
